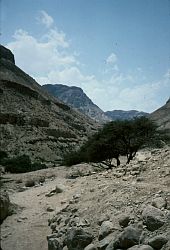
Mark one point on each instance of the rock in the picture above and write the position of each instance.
(159, 202)
(54, 243)
(4, 205)
(78, 239)
(105, 229)
(142, 247)
(90, 247)
(153, 218)
(158, 241)
(128, 238)
(50, 209)
(6, 54)
(104, 242)
(124, 219)
(58, 189)
(104, 217)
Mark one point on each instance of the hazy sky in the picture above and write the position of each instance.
(118, 51)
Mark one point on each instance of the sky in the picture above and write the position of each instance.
(117, 51)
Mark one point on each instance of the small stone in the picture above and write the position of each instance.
(103, 218)
(124, 220)
(159, 202)
(105, 229)
(50, 209)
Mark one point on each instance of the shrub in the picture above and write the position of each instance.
(21, 164)
(3, 155)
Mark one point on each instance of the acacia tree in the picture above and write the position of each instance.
(117, 138)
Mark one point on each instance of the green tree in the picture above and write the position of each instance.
(117, 138)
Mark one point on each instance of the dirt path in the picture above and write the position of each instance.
(28, 229)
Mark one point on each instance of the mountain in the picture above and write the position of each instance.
(32, 121)
(124, 115)
(76, 98)
(162, 116)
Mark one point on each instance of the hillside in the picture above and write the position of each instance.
(162, 116)
(32, 121)
(124, 115)
(76, 98)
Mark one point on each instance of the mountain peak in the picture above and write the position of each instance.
(76, 98)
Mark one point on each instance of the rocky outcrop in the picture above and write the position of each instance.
(6, 54)
(162, 117)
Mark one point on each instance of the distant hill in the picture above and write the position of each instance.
(124, 115)
(162, 116)
(76, 98)
(32, 121)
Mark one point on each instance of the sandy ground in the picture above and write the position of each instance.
(29, 228)
(100, 192)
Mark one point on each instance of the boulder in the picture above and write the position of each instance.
(78, 239)
(158, 241)
(153, 218)
(4, 205)
(54, 243)
(128, 238)
(105, 229)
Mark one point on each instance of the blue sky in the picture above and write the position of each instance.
(118, 51)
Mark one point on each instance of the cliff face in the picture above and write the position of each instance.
(162, 116)
(32, 121)
(77, 99)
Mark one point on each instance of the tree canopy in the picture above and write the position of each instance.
(114, 139)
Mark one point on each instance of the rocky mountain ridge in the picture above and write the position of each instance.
(76, 98)
(124, 115)
(32, 121)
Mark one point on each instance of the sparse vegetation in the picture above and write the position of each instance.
(117, 138)
(21, 164)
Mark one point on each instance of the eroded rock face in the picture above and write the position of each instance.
(4, 205)
(6, 54)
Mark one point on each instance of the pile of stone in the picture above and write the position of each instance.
(151, 230)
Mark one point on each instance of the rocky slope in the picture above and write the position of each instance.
(97, 210)
(124, 115)
(162, 116)
(76, 98)
(32, 121)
